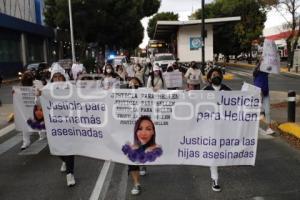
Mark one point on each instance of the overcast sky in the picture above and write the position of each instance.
(185, 7)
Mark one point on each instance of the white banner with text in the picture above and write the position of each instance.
(144, 127)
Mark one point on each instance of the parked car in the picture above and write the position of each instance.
(163, 60)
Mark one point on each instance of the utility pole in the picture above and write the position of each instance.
(203, 34)
(71, 32)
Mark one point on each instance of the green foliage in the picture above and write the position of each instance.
(89, 64)
(236, 37)
(112, 23)
(167, 16)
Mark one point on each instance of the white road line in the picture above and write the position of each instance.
(7, 129)
(100, 181)
(5, 146)
(35, 148)
(247, 74)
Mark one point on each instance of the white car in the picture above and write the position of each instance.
(163, 60)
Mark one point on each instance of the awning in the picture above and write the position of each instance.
(14, 23)
(164, 29)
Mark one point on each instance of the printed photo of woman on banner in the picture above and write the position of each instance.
(37, 123)
(144, 149)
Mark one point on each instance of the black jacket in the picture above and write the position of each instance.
(223, 87)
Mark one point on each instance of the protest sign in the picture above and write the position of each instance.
(23, 103)
(249, 87)
(173, 79)
(207, 128)
(271, 59)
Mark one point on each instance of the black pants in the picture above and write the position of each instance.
(69, 160)
(133, 168)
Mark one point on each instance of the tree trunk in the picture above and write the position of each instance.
(227, 58)
(289, 51)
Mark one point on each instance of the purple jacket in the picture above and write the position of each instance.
(261, 80)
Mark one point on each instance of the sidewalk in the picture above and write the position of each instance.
(5, 111)
(10, 80)
(279, 103)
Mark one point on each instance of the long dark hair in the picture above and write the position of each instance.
(34, 116)
(137, 126)
(113, 73)
(160, 76)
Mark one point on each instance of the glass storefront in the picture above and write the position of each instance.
(35, 49)
(10, 49)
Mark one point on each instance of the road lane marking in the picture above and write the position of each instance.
(104, 177)
(5, 146)
(7, 129)
(35, 147)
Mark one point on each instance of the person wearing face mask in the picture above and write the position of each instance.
(58, 75)
(110, 77)
(155, 80)
(193, 76)
(214, 78)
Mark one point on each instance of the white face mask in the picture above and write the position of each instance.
(108, 71)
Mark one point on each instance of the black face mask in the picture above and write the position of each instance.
(194, 66)
(216, 80)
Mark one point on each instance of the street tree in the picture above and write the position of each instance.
(111, 23)
(291, 7)
(166, 16)
(236, 37)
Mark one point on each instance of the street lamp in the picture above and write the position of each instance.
(203, 34)
(71, 31)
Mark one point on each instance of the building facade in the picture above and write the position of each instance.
(23, 35)
(186, 39)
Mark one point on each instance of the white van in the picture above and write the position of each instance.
(163, 60)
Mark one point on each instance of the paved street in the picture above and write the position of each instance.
(36, 175)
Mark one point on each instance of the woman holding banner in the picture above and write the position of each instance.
(26, 80)
(58, 75)
(144, 149)
(194, 77)
(261, 80)
(214, 79)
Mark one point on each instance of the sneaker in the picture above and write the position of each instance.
(70, 180)
(215, 186)
(63, 167)
(42, 135)
(269, 131)
(136, 190)
(25, 145)
(143, 171)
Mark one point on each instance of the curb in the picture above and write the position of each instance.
(228, 76)
(290, 128)
(283, 69)
(10, 81)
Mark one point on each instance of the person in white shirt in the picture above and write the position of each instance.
(193, 77)
(110, 80)
(155, 80)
